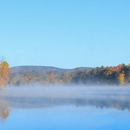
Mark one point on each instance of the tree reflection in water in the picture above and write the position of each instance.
(4, 110)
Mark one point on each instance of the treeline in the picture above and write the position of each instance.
(113, 75)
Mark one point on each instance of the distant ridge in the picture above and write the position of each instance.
(47, 75)
(55, 70)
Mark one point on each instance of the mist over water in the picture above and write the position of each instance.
(39, 96)
(64, 91)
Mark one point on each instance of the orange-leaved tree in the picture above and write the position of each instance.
(4, 73)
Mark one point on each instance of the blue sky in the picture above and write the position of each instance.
(65, 33)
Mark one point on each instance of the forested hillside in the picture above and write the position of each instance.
(31, 75)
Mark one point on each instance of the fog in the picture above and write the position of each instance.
(64, 91)
(39, 96)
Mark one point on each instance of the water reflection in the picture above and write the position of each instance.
(40, 102)
(4, 109)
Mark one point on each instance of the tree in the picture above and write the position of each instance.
(51, 77)
(122, 78)
(4, 73)
(66, 77)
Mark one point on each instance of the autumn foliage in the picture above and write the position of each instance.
(113, 75)
(110, 75)
(4, 73)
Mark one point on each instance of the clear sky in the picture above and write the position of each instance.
(65, 33)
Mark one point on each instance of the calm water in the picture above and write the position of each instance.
(65, 108)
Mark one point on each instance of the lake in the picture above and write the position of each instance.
(65, 108)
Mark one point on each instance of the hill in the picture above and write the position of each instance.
(47, 69)
(43, 75)
(46, 75)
